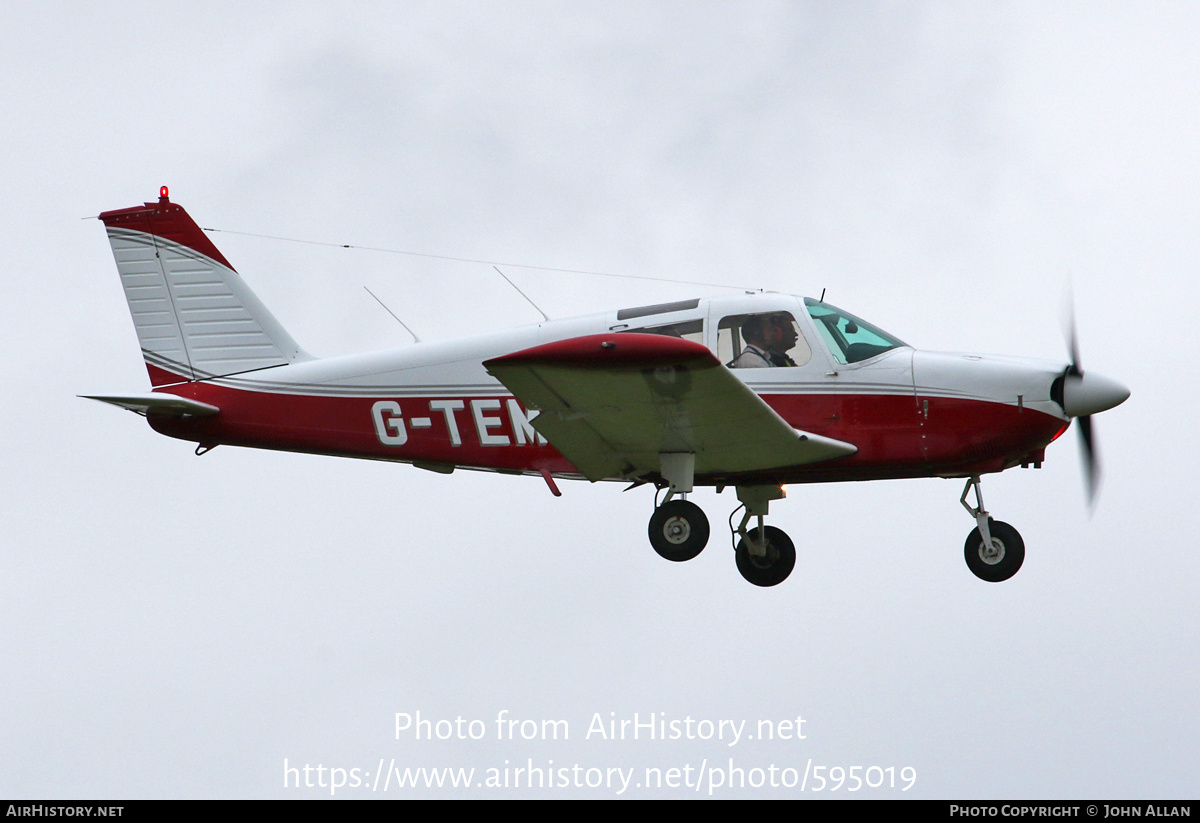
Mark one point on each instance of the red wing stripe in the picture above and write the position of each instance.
(612, 351)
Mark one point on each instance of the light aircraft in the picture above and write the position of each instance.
(752, 391)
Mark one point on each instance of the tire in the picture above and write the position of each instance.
(678, 530)
(772, 569)
(1004, 561)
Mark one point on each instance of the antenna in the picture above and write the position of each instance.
(468, 259)
(523, 294)
(393, 314)
(822, 296)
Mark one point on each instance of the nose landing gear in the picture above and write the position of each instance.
(994, 550)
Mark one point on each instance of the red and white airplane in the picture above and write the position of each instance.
(752, 391)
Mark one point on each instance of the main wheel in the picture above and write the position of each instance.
(1002, 560)
(678, 530)
(772, 568)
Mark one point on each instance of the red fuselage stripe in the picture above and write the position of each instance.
(895, 435)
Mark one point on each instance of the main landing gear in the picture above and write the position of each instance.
(679, 529)
(766, 555)
(994, 550)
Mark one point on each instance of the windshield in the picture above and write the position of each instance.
(849, 339)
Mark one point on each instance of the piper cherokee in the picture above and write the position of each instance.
(753, 391)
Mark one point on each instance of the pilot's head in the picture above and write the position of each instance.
(773, 332)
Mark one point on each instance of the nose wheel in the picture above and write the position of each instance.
(678, 530)
(1001, 560)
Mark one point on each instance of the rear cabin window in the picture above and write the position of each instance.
(688, 330)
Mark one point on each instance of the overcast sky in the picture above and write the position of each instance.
(174, 626)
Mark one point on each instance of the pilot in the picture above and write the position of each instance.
(768, 339)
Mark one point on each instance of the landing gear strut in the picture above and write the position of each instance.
(994, 550)
(765, 555)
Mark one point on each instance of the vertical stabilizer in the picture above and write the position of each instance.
(195, 317)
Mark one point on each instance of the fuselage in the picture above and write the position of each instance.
(909, 413)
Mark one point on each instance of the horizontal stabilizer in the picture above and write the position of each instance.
(158, 403)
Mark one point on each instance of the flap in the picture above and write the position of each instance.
(612, 403)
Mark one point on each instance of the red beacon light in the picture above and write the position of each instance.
(163, 194)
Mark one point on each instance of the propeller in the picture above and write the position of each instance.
(1083, 396)
(1087, 445)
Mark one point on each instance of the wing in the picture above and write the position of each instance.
(612, 404)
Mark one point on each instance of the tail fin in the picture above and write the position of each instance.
(195, 317)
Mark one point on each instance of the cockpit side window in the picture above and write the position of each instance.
(764, 340)
(849, 339)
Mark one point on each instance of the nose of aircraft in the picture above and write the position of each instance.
(1091, 393)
